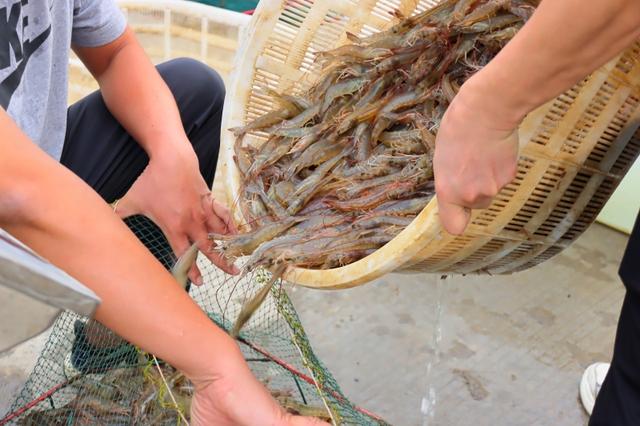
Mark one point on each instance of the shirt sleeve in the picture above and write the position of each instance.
(96, 22)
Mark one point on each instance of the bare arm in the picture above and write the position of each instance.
(477, 145)
(136, 95)
(563, 42)
(171, 190)
(54, 212)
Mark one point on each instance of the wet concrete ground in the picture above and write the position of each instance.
(513, 348)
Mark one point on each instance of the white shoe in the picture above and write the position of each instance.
(591, 383)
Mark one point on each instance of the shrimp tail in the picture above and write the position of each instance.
(256, 301)
(183, 264)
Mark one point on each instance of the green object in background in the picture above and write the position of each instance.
(621, 209)
(237, 5)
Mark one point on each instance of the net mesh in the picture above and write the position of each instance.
(88, 375)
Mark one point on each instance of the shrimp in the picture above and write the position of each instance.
(403, 207)
(423, 65)
(382, 123)
(522, 10)
(375, 91)
(501, 36)
(393, 62)
(241, 157)
(297, 203)
(282, 190)
(357, 148)
(406, 100)
(461, 8)
(264, 121)
(234, 246)
(276, 148)
(352, 51)
(183, 265)
(257, 210)
(362, 138)
(301, 119)
(377, 221)
(448, 88)
(272, 205)
(341, 89)
(384, 193)
(318, 175)
(376, 165)
(315, 154)
(491, 24)
(309, 136)
(419, 33)
(342, 258)
(252, 305)
(292, 103)
(483, 12)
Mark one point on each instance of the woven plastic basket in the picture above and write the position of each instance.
(574, 149)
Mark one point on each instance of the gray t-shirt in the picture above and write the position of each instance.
(35, 39)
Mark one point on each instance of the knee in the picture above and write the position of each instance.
(202, 83)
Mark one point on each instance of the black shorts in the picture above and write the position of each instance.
(100, 151)
(618, 402)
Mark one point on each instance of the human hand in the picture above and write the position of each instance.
(475, 157)
(239, 399)
(172, 193)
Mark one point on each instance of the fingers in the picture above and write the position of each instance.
(208, 216)
(458, 195)
(218, 259)
(124, 207)
(215, 224)
(201, 236)
(217, 220)
(454, 218)
(224, 215)
(194, 274)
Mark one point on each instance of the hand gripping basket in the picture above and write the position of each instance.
(574, 149)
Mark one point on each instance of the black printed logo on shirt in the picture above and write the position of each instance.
(13, 22)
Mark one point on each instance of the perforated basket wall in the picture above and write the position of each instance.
(574, 149)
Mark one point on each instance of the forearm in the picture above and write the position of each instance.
(563, 42)
(136, 95)
(54, 212)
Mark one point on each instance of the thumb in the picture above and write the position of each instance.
(125, 207)
(454, 218)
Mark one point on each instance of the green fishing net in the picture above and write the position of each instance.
(86, 375)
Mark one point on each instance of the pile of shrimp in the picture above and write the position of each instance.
(139, 395)
(346, 167)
